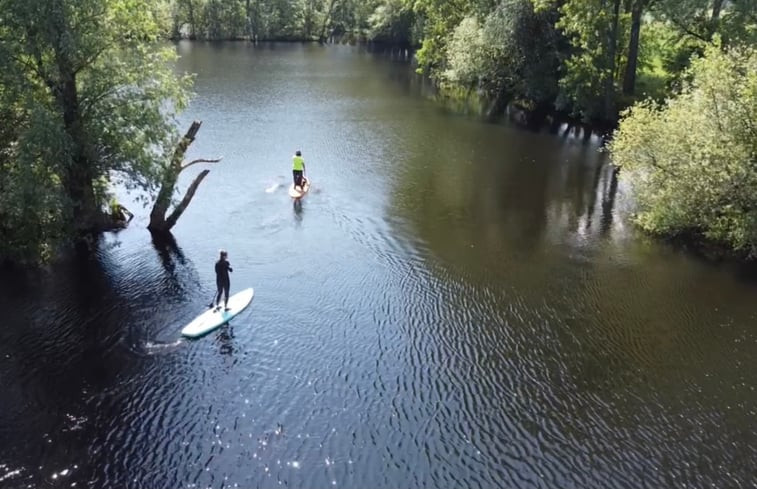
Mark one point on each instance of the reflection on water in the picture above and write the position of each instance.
(463, 305)
(297, 206)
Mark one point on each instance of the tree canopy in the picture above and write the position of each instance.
(587, 58)
(692, 160)
(90, 97)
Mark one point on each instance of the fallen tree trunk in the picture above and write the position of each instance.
(158, 220)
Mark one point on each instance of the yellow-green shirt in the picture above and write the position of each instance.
(298, 163)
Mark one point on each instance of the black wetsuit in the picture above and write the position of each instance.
(222, 280)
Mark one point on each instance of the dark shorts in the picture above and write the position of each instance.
(297, 175)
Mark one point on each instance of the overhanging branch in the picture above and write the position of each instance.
(201, 160)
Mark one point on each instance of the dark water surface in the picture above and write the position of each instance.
(455, 304)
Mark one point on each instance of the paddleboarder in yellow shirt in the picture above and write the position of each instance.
(298, 169)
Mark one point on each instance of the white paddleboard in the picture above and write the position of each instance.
(295, 193)
(213, 318)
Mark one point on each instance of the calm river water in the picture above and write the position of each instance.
(455, 304)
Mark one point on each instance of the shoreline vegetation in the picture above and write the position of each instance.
(671, 84)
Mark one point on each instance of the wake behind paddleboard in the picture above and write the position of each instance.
(213, 318)
(295, 193)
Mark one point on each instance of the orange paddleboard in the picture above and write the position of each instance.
(296, 193)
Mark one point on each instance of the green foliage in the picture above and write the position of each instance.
(224, 19)
(664, 54)
(589, 87)
(285, 19)
(91, 95)
(30, 193)
(735, 22)
(392, 22)
(511, 51)
(693, 160)
(209, 19)
(440, 18)
(525, 44)
(467, 54)
(683, 29)
(351, 20)
(572, 55)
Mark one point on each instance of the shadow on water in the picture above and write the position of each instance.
(609, 193)
(178, 278)
(168, 251)
(535, 275)
(62, 341)
(225, 339)
(84, 314)
(180, 273)
(73, 335)
(298, 210)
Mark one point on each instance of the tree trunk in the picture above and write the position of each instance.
(158, 220)
(629, 81)
(257, 24)
(717, 6)
(79, 173)
(308, 18)
(326, 21)
(609, 82)
(188, 195)
(248, 15)
(192, 31)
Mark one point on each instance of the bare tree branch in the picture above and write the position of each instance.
(181, 207)
(158, 220)
(201, 160)
(678, 23)
(86, 62)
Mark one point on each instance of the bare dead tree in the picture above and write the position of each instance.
(158, 220)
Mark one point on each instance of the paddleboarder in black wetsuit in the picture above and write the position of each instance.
(222, 281)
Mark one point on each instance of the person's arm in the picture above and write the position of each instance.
(228, 265)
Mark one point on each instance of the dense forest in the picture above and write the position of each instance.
(588, 58)
(88, 96)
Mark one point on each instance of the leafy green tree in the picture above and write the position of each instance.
(734, 20)
(692, 161)
(695, 22)
(439, 18)
(30, 194)
(225, 19)
(526, 45)
(279, 19)
(92, 98)
(389, 21)
(467, 54)
(188, 18)
(392, 22)
(629, 79)
(589, 85)
(349, 19)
